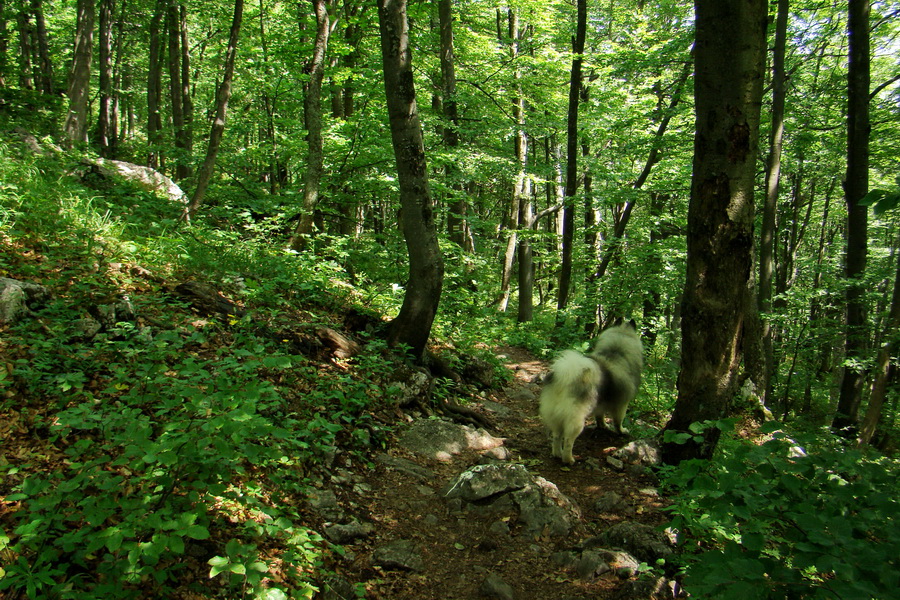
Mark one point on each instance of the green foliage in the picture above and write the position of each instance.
(788, 518)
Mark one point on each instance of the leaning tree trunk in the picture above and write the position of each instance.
(412, 326)
(568, 215)
(763, 378)
(312, 108)
(223, 94)
(729, 64)
(856, 185)
(80, 77)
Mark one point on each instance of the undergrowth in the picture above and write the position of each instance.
(792, 517)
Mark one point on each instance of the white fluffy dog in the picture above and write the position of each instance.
(600, 384)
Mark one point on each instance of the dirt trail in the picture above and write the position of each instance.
(461, 548)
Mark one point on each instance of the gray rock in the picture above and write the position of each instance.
(641, 541)
(144, 177)
(590, 565)
(543, 509)
(399, 554)
(612, 502)
(655, 588)
(349, 532)
(639, 452)
(442, 440)
(19, 298)
(483, 481)
(406, 466)
(494, 587)
(325, 504)
(336, 587)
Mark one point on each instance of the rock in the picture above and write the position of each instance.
(414, 388)
(656, 588)
(590, 565)
(641, 541)
(143, 177)
(441, 440)
(406, 466)
(325, 504)
(336, 587)
(399, 554)
(346, 533)
(19, 298)
(639, 452)
(612, 502)
(495, 587)
(543, 509)
(483, 481)
(615, 464)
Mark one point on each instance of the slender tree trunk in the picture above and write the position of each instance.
(154, 89)
(730, 61)
(412, 326)
(176, 92)
(882, 365)
(26, 71)
(4, 43)
(43, 47)
(763, 379)
(187, 102)
(80, 76)
(223, 94)
(568, 215)
(525, 254)
(106, 132)
(855, 187)
(312, 108)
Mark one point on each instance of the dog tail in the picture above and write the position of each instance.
(575, 371)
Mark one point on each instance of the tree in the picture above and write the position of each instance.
(223, 94)
(154, 88)
(312, 110)
(729, 62)
(856, 185)
(568, 224)
(106, 120)
(412, 326)
(80, 75)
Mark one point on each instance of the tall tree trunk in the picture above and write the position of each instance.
(43, 47)
(176, 91)
(312, 108)
(80, 77)
(26, 71)
(106, 131)
(187, 102)
(412, 326)
(154, 89)
(730, 60)
(520, 141)
(223, 94)
(568, 215)
(763, 379)
(882, 365)
(856, 186)
(457, 224)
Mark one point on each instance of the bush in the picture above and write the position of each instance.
(773, 521)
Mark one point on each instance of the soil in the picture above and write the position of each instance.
(460, 548)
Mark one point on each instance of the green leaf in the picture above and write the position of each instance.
(197, 532)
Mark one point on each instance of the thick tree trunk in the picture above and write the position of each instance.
(312, 108)
(730, 60)
(856, 186)
(223, 94)
(568, 215)
(80, 77)
(412, 326)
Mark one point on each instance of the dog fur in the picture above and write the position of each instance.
(601, 384)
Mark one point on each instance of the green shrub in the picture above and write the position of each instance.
(775, 521)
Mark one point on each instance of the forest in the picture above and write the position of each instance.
(245, 247)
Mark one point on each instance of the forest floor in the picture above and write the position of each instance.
(459, 549)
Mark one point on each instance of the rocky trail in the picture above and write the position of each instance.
(454, 512)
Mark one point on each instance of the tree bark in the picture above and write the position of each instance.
(729, 64)
(176, 92)
(80, 77)
(568, 215)
(223, 94)
(154, 89)
(763, 378)
(312, 109)
(412, 326)
(106, 119)
(26, 72)
(856, 186)
(43, 47)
